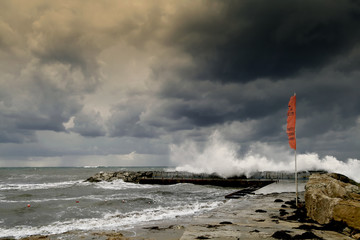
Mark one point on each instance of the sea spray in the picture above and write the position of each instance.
(220, 156)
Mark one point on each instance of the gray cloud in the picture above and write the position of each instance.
(40, 99)
(144, 75)
(88, 125)
(126, 120)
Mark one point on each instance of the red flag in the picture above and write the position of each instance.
(291, 121)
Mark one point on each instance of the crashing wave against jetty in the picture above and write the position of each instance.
(132, 176)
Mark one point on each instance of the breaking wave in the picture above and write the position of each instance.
(220, 156)
(36, 186)
(114, 221)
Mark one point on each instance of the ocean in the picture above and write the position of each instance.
(45, 201)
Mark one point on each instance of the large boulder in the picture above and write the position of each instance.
(333, 197)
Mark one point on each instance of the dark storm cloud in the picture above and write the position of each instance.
(328, 103)
(260, 53)
(330, 108)
(244, 60)
(208, 103)
(237, 41)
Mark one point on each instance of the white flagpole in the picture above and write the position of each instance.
(296, 178)
(296, 181)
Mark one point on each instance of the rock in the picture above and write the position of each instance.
(226, 222)
(356, 236)
(307, 235)
(93, 179)
(212, 226)
(282, 235)
(349, 212)
(333, 197)
(126, 176)
(283, 212)
(260, 211)
(36, 237)
(153, 228)
(203, 237)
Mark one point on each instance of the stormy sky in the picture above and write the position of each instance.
(124, 83)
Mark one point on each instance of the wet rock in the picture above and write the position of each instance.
(291, 203)
(299, 215)
(152, 228)
(226, 222)
(259, 220)
(333, 197)
(307, 235)
(126, 176)
(93, 179)
(283, 212)
(260, 211)
(202, 237)
(212, 226)
(278, 200)
(282, 235)
(36, 237)
(306, 227)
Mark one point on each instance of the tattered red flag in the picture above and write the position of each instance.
(291, 122)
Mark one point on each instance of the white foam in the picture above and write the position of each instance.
(36, 186)
(86, 197)
(44, 200)
(220, 156)
(120, 184)
(111, 221)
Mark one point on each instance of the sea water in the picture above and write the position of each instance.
(44, 201)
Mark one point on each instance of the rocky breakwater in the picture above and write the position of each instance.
(167, 178)
(126, 176)
(333, 199)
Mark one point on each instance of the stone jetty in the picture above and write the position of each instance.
(144, 176)
(167, 178)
